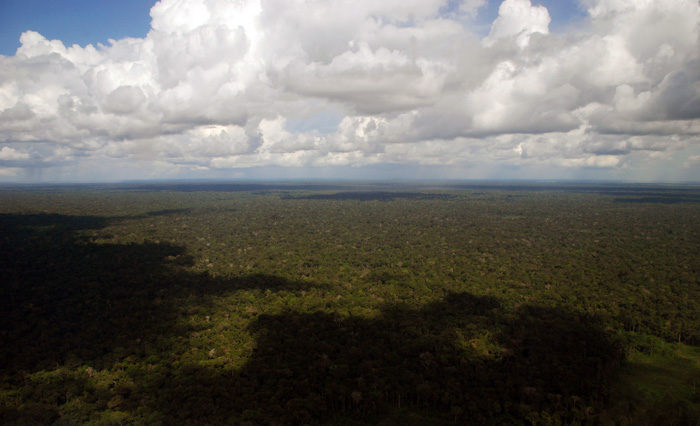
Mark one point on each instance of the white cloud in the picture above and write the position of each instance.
(10, 172)
(471, 7)
(519, 19)
(7, 153)
(693, 161)
(220, 84)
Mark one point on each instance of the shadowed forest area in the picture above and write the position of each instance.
(315, 305)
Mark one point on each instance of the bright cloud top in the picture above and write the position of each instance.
(232, 84)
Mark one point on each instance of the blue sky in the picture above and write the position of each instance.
(429, 89)
(73, 21)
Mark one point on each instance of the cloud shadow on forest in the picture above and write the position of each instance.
(72, 301)
(65, 295)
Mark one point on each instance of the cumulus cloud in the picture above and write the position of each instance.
(519, 19)
(7, 153)
(230, 84)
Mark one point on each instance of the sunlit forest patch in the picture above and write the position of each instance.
(349, 304)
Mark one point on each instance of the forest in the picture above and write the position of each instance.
(339, 303)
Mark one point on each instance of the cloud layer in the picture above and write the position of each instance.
(223, 85)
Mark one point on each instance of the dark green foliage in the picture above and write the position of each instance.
(373, 196)
(313, 304)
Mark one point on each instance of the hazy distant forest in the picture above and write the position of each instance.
(350, 304)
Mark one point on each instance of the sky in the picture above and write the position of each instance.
(97, 90)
